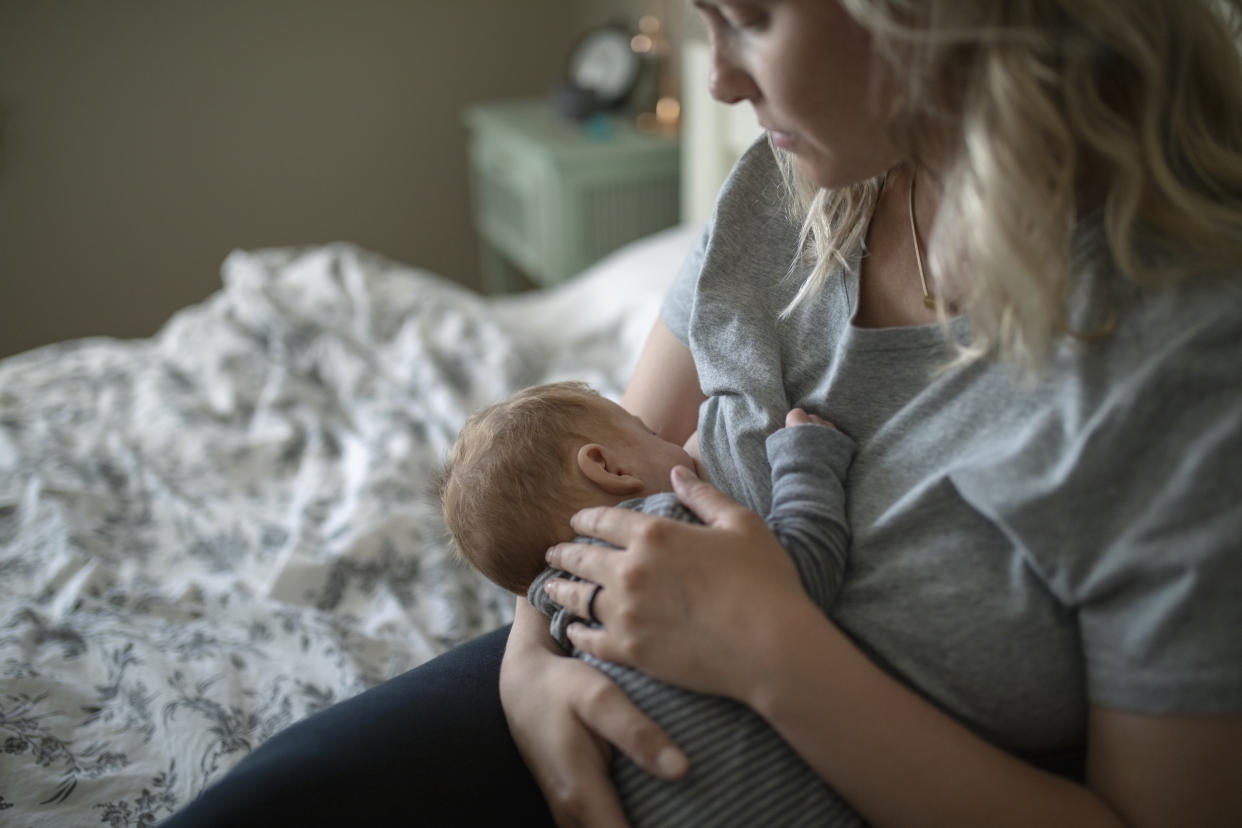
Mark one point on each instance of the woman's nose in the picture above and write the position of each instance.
(727, 82)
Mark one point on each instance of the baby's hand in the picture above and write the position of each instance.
(691, 448)
(799, 417)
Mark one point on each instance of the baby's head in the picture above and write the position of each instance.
(522, 467)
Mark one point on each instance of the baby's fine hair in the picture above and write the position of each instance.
(507, 486)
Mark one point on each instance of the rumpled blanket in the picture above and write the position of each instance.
(214, 532)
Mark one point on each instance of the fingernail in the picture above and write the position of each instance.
(671, 763)
(683, 473)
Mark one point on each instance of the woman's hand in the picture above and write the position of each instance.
(564, 716)
(678, 601)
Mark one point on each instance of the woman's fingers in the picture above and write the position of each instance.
(584, 800)
(541, 692)
(597, 642)
(575, 776)
(606, 523)
(583, 598)
(586, 560)
(610, 714)
(711, 505)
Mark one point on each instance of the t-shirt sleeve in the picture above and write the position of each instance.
(679, 300)
(1150, 526)
(1160, 610)
(1129, 507)
(751, 196)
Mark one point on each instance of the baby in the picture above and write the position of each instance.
(522, 467)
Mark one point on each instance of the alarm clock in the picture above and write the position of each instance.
(601, 72)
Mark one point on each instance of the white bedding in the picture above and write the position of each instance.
(210, 534)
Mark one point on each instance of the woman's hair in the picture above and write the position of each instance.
(1142, 98)
(507, 490)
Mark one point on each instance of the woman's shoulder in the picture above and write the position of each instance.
(1157, 367)
(1155, 406)
(739, 263)
(754, 196)
(755, 169)
(744, 254)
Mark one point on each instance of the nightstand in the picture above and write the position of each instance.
(551, 196)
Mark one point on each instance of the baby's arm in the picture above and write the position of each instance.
(809, 459)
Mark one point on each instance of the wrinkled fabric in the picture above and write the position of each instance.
(210, 534)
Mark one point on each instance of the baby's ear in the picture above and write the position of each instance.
(602, 466)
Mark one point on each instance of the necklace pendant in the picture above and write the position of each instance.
(929, 301)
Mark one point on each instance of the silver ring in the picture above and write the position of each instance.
(591, 605)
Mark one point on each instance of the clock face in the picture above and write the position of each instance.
(604, 63)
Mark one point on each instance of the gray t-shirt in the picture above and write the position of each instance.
(1019, 550)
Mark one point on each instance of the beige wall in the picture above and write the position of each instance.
(586, 13)
(142, 140)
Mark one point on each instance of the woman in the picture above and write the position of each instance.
(1047, 553)
(1038, 357)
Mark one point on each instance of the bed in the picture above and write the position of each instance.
(212, 533)
(209, 534)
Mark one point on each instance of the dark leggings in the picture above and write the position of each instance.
(430, 747)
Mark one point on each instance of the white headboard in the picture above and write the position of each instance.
(713, 135)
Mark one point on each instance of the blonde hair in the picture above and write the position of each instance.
(1149, 92)
(507, 490)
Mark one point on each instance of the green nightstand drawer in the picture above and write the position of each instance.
(505, 187)
(551, 197)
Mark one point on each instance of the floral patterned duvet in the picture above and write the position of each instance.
(210, 534)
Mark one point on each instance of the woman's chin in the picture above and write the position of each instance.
(815, 172)
(821, 171)
(825, 175)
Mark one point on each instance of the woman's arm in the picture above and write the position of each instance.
(897, 758)
(901, 761)
(664, 391)
(1167, 770)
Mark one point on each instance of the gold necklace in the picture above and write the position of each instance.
(929, 300)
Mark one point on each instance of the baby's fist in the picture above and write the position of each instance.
(799, 417)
